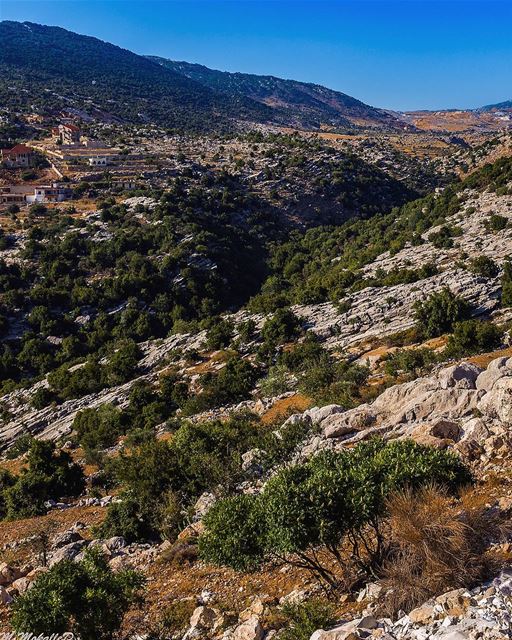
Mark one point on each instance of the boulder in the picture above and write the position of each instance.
(497, 403)
(69, 552)
(8, 574)
(114, 544)
(203, 618)
(423, 615)
(347, 631)
(5, 596)
(65, 538)
(474, 429)
(21, 584)
(446, 429)
(317, 414)
(454, 602)
(461, 375)
(252, 462)
(251, 629)
(498, 368)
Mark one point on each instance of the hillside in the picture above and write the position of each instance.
(500, 106)
(112, 350)
(293, 103)
(48, 68)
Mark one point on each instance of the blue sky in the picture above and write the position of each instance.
(406, 54)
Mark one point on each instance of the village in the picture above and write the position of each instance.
(50, 170)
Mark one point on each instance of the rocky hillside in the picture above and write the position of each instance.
(299, 104)
(49, 69)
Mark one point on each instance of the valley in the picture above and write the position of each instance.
(256, 359)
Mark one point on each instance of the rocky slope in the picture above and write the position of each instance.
(299, 104)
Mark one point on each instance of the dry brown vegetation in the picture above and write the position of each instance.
(438, 543)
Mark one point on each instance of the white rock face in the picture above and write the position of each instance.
(438, 409)
(484, 613)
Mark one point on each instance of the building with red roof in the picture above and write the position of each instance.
(20, 156)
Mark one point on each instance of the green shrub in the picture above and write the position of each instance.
(304, 618)
(98, 428)
(484, 266)
(127, 519)
(473, 336)
(438, 313)
(85, 598)
(413, 361)
(506, 284)
(283, 326)
(50, 474)
(332, 498)
(220, 334)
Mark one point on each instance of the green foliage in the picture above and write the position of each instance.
(231, 384)
(411, 361)
(283, 326)
(473, 336)
(98, 428)
(20, 446)
(506, 284)
(220, 334)
(496, 223)
(304, 618)
(50, 474)
(85, 598)
(332, 496)
(235, 533)
(439, 312)
(484, 266)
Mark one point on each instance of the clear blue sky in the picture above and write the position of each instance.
(407, 54)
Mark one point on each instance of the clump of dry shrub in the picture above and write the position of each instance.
(437, 543)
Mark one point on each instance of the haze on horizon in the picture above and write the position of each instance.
(401, 54)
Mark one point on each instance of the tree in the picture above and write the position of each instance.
(51, 474)
(331, 499)
(85, 598)
(283, 326)
(506, 284)
(484, 266)
(220, 334)
(438, 313)
(473, 336)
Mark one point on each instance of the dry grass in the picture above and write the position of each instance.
(285, 407)
(438, 544)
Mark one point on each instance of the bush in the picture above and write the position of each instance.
(304, 618)
(438, 313)
(126, 519)
(282, 327)
(473, 336)
(437, 545)
(98, 428)
(85, 598)
(234, 533)
(334, 497)
(233, 383)
(50, 475)
(496, 223)
(506, 284)
(220, 334)
(413, 361)
(484, 266)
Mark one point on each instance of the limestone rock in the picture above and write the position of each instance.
(251, 629)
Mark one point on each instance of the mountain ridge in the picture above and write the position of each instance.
(304, 102)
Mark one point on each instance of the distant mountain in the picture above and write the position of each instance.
(51, 68)
(500, 106)
(48, 68)
(294, 103)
